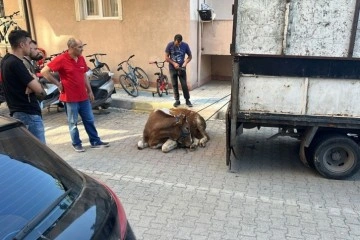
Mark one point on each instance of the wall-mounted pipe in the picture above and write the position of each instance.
(29, 20)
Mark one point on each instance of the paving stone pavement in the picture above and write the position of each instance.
(191, 195)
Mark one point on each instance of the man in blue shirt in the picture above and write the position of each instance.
(175, 54)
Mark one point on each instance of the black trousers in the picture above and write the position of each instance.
(181, 75)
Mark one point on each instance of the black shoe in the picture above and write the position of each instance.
(188, 103)
(176, 103)
(100, 145)
(78, 148)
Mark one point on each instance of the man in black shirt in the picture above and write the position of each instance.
(20, 86)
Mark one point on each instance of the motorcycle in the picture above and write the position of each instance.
(102, 87)
(101, 84)
(52, 93)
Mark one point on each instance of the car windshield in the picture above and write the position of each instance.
(32, 178)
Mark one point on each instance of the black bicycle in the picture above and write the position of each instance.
(7, 25)
(99, 67)
(132, 78)
(162, 82)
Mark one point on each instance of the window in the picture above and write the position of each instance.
(98, 9)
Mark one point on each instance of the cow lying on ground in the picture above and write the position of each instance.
(170, 128)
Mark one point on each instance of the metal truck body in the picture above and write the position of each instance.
(296, 67)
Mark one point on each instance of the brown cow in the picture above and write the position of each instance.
(165, 130)
(196, 122)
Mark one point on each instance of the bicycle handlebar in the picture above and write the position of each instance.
(158, 64)
(96, 54)
(120, 67)
(54, 55)
(11, 15)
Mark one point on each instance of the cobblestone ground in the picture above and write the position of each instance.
(193, 195)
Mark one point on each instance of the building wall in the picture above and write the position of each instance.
(145, 29)
(216, 37)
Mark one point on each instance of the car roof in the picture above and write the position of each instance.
(7, 122)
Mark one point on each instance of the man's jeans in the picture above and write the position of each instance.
(33, 123)
(174, 74)
(73, 109)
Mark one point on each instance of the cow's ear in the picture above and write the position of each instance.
(180, 119)
(183, 118)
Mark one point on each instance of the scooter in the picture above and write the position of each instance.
(102, 87)
(52, 93)
(101, 84)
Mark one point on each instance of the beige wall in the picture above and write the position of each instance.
(139, 32)
(146, 28)
(216, 37)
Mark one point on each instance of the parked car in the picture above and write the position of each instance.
(43, 197)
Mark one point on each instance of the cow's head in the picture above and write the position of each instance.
(185, 139)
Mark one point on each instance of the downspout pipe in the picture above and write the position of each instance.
(198, 48)
(29, 18)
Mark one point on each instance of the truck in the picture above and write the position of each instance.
(296, 67)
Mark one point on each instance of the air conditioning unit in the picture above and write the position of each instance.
(206, 15)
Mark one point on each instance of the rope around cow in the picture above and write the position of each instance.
(213, 104)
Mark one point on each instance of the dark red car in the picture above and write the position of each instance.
(43, 197)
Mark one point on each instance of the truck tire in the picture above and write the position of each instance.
(336, 156)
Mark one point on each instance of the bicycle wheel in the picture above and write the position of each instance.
(162, 85)
(142, 78)
(104, 69)
(166, 84)
(158, 87)
(128, 85)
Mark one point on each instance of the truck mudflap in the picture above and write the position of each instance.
(305, 143)
(228, 130)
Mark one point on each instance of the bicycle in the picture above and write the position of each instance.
(132, 78)
(7, 25)
(50, 58)
(99, 67)
(162, 82)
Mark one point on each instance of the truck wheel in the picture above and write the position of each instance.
(336, 156)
